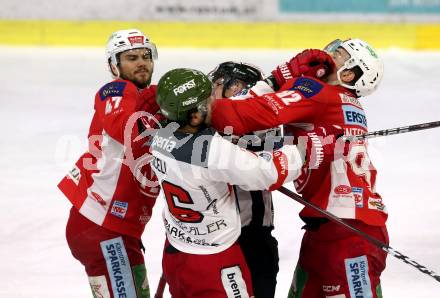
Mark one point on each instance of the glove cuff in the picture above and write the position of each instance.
(282, 73)
(272, 82)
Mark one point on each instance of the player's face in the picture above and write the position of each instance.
(137, 66)
(338, 53)
(234, 88)
(196, 119)
(340, 56)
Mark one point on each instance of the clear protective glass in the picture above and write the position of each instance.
(331, 47)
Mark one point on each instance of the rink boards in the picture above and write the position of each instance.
(246, 35)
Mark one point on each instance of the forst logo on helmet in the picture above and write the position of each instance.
(184, 87)
(136, 39)
(191, 100)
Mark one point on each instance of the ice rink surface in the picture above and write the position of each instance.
(46, 98)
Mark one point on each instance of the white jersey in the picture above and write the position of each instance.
(196, 171)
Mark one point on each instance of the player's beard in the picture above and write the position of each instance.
(141, 80)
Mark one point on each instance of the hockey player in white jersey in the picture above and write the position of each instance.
(259, 246)
(196, 167)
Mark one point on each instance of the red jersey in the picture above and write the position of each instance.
(345, 187)
(102, 185)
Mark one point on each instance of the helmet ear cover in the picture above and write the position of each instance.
(357, 72)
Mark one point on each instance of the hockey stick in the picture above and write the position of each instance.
(393, 131)
(160, 287)
(372, 240)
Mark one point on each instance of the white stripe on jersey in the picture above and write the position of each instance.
(341, 204)
(105, 181)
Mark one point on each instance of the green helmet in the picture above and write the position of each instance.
(181, 90)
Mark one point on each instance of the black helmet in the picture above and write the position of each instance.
(231, 71)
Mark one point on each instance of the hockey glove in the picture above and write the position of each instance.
(313, 63)
(148, 100)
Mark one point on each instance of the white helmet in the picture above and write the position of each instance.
(124, 40)
(363, 56)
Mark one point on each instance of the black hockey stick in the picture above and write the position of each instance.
(160, 287)
(372, 240)
(397, 130)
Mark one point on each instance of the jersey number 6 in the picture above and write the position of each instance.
(177, 199)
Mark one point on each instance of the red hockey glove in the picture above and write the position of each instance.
(148, 100)
(311, 62)
(322, 145)
(147, 124)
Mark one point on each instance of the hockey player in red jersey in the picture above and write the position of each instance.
(333, 262)
(110, 187)
(196, 167)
